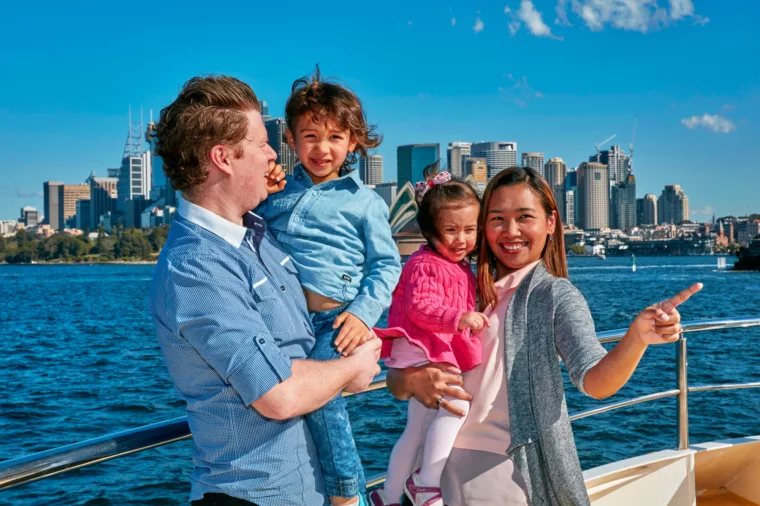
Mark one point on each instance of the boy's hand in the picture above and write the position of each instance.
(275, 178)
(475, 321)
(353, 333)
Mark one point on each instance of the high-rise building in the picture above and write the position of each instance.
(571, 186)
(535, 161)
(412, 160)
(134, 178)
(60, 202)
(387, 191)
(593, 200)
(286, 157)
(569, 209)
(103, 193)
(456, 154)
(555, 173)
(498, 155)
(746, 230)
(623, 204)
(30, 216)
(617, 162)
(70, 194)
(477, 168)
(50, 203)
(160, 186)
(264, 110)
(83, 214)
(648, 214)
(371, 169)
(673, 205)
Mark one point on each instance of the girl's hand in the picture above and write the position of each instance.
(475, 321)
(661, 322)
(352, 333)
(275, 178)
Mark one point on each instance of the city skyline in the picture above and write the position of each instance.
(688, 117)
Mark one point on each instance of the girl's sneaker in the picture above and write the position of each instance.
(419, 495)
(378, 498)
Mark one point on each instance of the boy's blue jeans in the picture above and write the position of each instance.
(329, 425)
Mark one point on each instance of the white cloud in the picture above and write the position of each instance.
(561, 10)
(633, 15)
(533, 19)
(729, 107)
(514, 27)
(453, 21)
(702, 211)
(714, 122)
(478, 25)
(519, 91)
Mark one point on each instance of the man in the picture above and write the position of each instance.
(229, 312)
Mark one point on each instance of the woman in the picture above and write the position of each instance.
(516, 446)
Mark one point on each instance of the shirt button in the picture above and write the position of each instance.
(262, 341)
(282, 288)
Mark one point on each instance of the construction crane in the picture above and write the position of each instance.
(598, 144)
(633, 138)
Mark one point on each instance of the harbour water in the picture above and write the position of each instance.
(81, 360)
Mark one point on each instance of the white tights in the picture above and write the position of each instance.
(438, 443)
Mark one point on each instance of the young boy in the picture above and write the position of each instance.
(336, 232)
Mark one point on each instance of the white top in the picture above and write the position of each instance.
(487, 427)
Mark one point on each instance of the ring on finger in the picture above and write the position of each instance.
(438, 402)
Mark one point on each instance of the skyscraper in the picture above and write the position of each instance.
(160, 186)
(535, 161)
(555, 173)
(371, 169)
(571, 187)
(673, 205)
(50, 203)
(477, 168)
(412, 160)
(70, 194)
(30, 216)
(286, 157)
(264, 110)
(456, 154)
(498, 155)
(649, 210)
(617, 162)
(623, 204)
(387, 191)
(103, 193)
(593, 200)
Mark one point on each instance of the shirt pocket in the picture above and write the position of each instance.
(265, 297)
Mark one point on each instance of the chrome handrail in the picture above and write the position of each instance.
(42, 465)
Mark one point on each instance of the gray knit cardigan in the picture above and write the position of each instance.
(558, 322)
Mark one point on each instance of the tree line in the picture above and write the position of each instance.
(123, 244)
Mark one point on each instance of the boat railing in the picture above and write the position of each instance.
(42, 465)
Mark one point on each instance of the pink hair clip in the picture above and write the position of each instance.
(421, 187)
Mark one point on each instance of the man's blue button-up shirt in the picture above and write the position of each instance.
(338, 235)
(230, 317)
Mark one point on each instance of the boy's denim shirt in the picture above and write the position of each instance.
(337, 234)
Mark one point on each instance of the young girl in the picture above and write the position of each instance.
(336, 232)
(516, 447)
(433, 318)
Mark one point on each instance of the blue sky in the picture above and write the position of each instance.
(555, 76)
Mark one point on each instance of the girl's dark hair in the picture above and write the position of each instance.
(553, 254)
(323, 100)
(453, 194)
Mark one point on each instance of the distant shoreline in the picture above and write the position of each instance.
(109, 262)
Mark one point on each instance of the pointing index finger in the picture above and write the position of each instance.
(670, 304)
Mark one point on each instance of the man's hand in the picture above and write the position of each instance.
(365, 356)
(275, 178)
(475, 321)
(352, 333)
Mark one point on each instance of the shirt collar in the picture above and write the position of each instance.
(230, 232)
(299, 173)
(513, 279)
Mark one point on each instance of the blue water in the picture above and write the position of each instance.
(81, 360)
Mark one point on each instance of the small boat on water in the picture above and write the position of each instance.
(719, 473)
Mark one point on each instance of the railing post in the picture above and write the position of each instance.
(683, 395)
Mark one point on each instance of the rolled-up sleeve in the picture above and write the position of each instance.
(213, 307)
(574, 332)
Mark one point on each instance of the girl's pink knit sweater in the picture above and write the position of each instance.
(432, 295)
